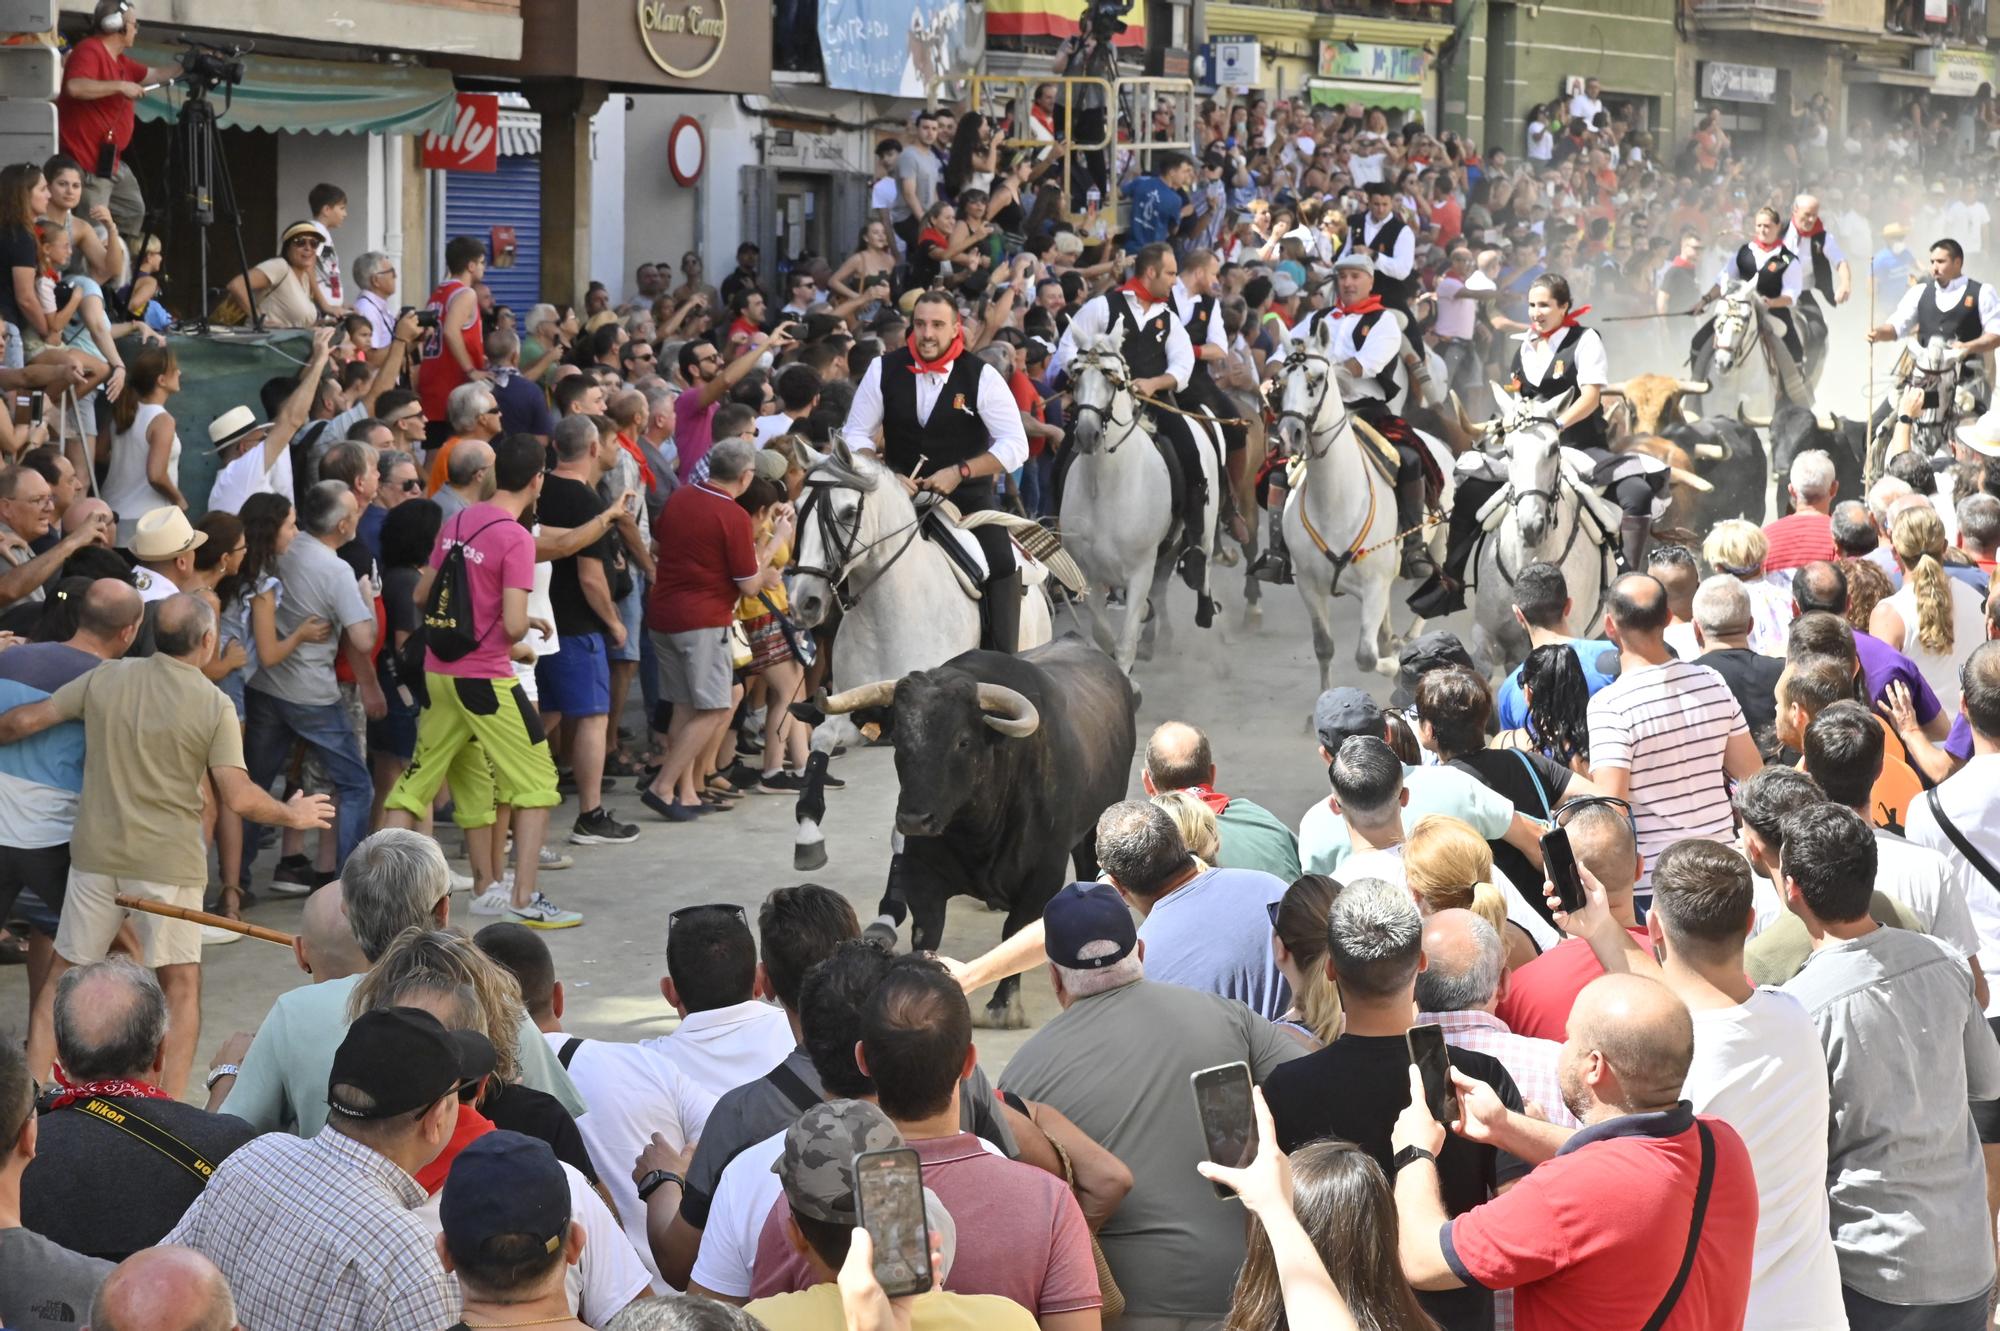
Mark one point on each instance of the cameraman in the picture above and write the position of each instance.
(1089, 54)
(95, 114)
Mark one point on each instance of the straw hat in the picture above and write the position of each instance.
(164, 533)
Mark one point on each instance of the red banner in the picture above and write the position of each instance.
(474, 141)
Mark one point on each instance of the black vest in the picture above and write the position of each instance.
(1822, 267)
(1388, 381)
(1394, 291)
(1197, 331)
(1770, 274)
(1144, 344)
(1960, 323)
(1560, 378)
(953, 434)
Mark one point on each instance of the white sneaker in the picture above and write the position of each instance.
(460, 882)
(214, 937)
(495, 900)
(552, 859)
(541, 913)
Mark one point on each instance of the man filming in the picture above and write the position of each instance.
(95, 113)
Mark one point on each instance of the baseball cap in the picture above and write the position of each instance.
(772, 465)
(402, 1059)
(816, 1168)
(1284, 286)
(1343, 712)
(1429, 651)
(502, 1184)
(1085, 913)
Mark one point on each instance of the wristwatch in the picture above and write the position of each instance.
(1904, 420)
(218, 1072)
(654, 1178)
(965, 471)
(1406, 1156)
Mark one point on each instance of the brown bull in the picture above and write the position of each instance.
(1648, 403)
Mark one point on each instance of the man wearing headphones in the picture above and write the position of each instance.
(95, 113)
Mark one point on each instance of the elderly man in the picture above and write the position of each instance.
(324, 947)
(1178, 757)
(375, 287)
(256, 458)
(396, 479)
(91, 514)
(1463, 979)
(474, 414)
(524, 407)
(165, 1289)
(1806, 534)
(27, 508)
(163, 546)
(1722, 618)
(471, 476)
(1102, 1064)
(117, 1161)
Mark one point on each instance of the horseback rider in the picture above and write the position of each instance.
(1160, 360)
(1389, 241)
(1367, 356)
(1557, 355)
(1950, 305)
(1199, 308)
(949, 426)
(1779, 276)
(1828, 277)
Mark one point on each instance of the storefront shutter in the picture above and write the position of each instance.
(478, 201)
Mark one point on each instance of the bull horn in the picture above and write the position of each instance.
(1826, 421)
(1690, 480)
(1008, 712)
(1710, 452)
(1695, 386)
(1754, 422)
(1615, 390)
(879, 694)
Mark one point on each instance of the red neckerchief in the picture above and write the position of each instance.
(942, 365)
(930, 236)
(1366, 305)
(1819, 225)
(471, 1126)
(1680, 262)
(106, 1088)
(1214, 799)
(1044, 119)
(1570, 319)
(1137, 289)
(638, 456)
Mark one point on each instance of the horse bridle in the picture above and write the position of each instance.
(842, 553)
(1523, 420)
(1107, 416)
(1299, 358)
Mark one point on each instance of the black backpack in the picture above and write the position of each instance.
(447, 630)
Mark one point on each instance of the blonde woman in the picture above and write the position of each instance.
(1298, 945)
(1738, 548)
(1448, 866)
(1197, 824)
(1935, 619)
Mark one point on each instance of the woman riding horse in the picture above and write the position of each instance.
(1780, 278)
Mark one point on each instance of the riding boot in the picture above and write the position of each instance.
(1274, 562)
(1409, 521)
(1003, 612)
(1632, 535)
(1194, 550)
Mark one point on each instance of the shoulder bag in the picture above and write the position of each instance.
(1958, 840)
(1701, 1191)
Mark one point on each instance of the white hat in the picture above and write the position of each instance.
(164, 533)
(229, 427)
(1355, 259)
(1284, 286)
(1983, 435)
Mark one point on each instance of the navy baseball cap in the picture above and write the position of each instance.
(398, 1060)
(1085, 913)
(501, 1185)
(1344, 712)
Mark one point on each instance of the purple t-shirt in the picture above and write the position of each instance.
(1882, 665)
(694, 430)
(1959, 742)
(499, 555)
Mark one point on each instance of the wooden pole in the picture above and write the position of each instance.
(205, 917)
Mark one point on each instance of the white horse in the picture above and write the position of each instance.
(860, 544)
(1735, 360)
(1340, 521)
(1118, 516)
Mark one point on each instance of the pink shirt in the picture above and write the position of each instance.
(500, 555)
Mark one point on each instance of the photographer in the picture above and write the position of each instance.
(1089, 54)
(95, 113)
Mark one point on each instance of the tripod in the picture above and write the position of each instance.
(198, 173)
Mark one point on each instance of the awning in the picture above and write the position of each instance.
(1895, 78)
(1388, 96)
(318, 96)
(520, 127)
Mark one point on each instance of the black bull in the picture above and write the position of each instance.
(1004, 764)
(1794, 430)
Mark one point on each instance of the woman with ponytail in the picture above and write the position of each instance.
(1448, 867)
(1298, 943)
(145, 445)
(1935, 619)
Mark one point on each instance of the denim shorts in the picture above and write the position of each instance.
(632, 610)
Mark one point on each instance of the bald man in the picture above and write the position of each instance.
(469, 475)
(1178, 757)
(325, 946)
(1611, 1210)
(164, 1289)
(80, 514)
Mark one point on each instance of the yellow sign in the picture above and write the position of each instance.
(684, 37)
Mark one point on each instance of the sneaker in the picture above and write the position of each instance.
(552, 859)
(599, 828)
(294, 876)
(779, 783)
(461, 882)
(833, 782)
(214, 937)
(495, 900)
(541, 913)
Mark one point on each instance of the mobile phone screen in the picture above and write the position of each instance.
(1559, 864)
(1228, 1127)
(890, 1185)
(1427, 1051)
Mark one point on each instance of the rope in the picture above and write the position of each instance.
(1430, 520)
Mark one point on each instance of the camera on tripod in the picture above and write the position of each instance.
(205, 68)
(1104, 19)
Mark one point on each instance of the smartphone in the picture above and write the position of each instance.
(1559, 867)
(1427, 1052)
(1228, 1126)
(890, 1188)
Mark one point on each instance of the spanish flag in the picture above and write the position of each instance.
(1056, 18)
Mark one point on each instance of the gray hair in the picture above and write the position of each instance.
(466, 404)
(1979, 522)
(1374, 937)
(1884, 493)
(1140, 846)
(1448, 985)
(1812, 474)
(659, 393)
(1128, 969)
(464, 463)
(365, 268)
(731, 458)
(539, 314)
(682, 1312)
(116, 1029)
(574, 437)
(348, 460)
(392, 881)
(388, 459)
(320, 508)
(1722, 606)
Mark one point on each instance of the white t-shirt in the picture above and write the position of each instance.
(882, 194)
(1932, 887)
(723, 1048)
(632, 1093)
(248, 476)
(1759, 1068)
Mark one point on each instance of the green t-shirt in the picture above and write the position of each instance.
(1254, 838)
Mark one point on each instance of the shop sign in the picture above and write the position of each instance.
(1237, 62)
(1370, 61)
(684, 37)
(1723, 82)
(474, 141)
(1957, 73)
(798, 148)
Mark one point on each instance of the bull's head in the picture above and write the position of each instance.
(946, 727)
(1653, 401)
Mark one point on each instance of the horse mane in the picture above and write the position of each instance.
(853, 471)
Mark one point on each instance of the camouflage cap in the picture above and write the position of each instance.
(817, 1167)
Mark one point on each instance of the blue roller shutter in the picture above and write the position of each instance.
(477, 201)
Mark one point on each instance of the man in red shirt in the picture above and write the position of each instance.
(1645, 1216)
(94, 113)
(452, 354)
(707, 559)
(1805, 536)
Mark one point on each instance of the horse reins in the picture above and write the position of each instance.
(817, 511)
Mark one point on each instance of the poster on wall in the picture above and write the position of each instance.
(900, 48)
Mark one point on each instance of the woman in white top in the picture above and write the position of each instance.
(1935, 619)
(1739, 549)
(146, 447)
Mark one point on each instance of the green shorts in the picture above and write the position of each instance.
(485, 737)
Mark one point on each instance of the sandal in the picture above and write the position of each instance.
(231, 902)
(13, 949)
(621, 764)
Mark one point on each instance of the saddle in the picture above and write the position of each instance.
(1038, 552)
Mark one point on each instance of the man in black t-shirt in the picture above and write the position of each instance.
(575, 682)
(1355, 1087)
(1722, 615)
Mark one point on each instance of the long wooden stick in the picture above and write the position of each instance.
(205, 917)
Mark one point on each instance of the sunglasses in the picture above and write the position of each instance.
(686, 911)
(411, 486)
(1568, 810)
(416, 415)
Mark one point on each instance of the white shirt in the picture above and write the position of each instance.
(153, 586)
(1007, 438)
(1759, 1067)
(1095, 318)
(771, 426)
(1593, 365)
(1931, 884)
(1905, 318)
(247, 476)
(1402, 256)
(1376, 352)
(1793, 282)
(1966, 223)
(723, 1048)
(632, 1093)
(1184, 301)
(1584, 107)
(1457, 315)
(1799, 245)
(381, 319)
(1368, 168)
(1968, 803)
(1541, 143)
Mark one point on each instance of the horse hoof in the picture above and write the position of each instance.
(806, 858)
(1253, 617)
(1010, 1016)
